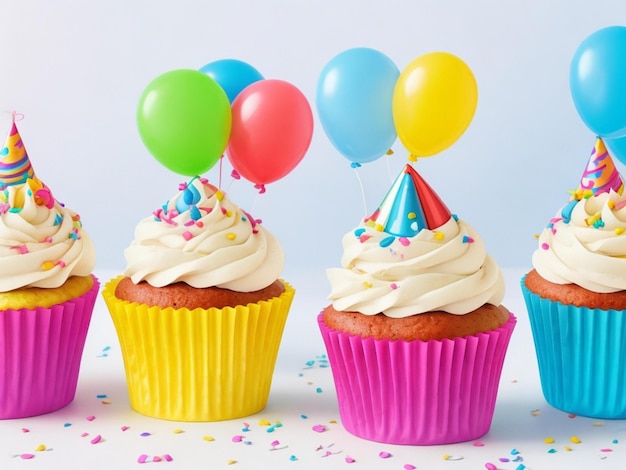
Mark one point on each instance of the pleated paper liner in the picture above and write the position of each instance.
(40, 355)
(417, 392)
(199, 365)
(581, 353)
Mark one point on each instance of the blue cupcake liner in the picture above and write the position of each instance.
(581, 353)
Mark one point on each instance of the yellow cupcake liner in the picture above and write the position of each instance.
(202, 364)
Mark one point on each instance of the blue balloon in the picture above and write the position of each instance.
(598, 81)
(232, 75)
(617, 148)
(354, 103)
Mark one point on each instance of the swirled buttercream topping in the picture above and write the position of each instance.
(446, 269)
(201, 238)
(585, 244)
(42, 243)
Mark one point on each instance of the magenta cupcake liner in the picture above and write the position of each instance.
(581, 354)
(417, 392)
(41, 354)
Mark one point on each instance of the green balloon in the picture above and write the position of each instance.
(184, 120)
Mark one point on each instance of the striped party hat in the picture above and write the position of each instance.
(15, 167)
(410, 206)
(600, 175)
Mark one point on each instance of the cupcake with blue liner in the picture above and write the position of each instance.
(416, 333)
(576, 296)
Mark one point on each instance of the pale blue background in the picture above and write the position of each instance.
(75, 69)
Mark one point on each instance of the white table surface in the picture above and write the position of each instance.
(302, 397)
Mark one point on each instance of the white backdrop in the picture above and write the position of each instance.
(76, 68)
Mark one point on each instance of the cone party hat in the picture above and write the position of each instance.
(15, 167)
(600, 175)
(410, 206)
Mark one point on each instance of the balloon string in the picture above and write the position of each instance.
(356, 172)
(219, 181)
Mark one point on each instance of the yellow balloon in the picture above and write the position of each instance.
(434, 101)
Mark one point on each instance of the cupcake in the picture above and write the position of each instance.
(416, 334)
(575, 294)
(47, 291)
(200, 309)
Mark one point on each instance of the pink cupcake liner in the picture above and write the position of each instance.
(417, 392)
(41, 354)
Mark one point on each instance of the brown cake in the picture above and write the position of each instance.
(424, 327)
(180, 295)
(573, 294)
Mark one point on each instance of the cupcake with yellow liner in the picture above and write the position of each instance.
(200, 309)
(576, 296)
(416, 334)
(47, 291)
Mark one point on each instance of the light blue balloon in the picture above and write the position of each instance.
(598, 81)
(232, 75)
(354, 103)
(617, 148)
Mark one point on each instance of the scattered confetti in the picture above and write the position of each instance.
(551, 451)
(264, 422)
(237, 438)
(478, 444)
(615, 441)
(102, 395)
(598, 423)
(384, 455)
(350, 459)
(25, 430)
(567, 448)
(548, 440)
(574, 440)
(535, 412)
(124, 428)
(145, 434)
(514, 452)
(293, 458)
(490, 466)
(208, 438)
(606, 450)
(319, 428)
(231, 462)
(40, 448)
(90, 418)
(178, 431)
(318, 390)
(520, 467)
(67, 425)
(571, 415)
(408, 466)
(304, 416)
(96, 439)
(27, 456)
(452, 457)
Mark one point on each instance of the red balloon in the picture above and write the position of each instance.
(271, 130)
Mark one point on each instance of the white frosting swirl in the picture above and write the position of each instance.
(42, 243)
(588, 246)
(447, 269)
(201, 238)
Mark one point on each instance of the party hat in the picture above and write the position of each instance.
(410, 206)
(15, 167)
(600, 176)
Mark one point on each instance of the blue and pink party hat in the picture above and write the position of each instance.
(600, 175)
(410, 206)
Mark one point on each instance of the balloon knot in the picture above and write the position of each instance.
(355, 165)
(235, 174)
(16, 116)
(412, 158)
(260, 187)
(389, 152)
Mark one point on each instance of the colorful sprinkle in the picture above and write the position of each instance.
(208, 438)
(384, 455)
(404, 241)
(575, 440)
(478, 444)
(90, 418)
(47, 265)
(319, 428)
(439, 236)
(40, 448)
(393, 285)
(619, 230)
(385, 242)
(178, 431)
(535, 412)
(231, 236)
(124, 428)
(606, 450)
(490, 466)
(96, 439)
(350, 459)
(408, 466)
(467, 239)
(27, 456)
(293, 458)
(548, 440)
(237, 438)
(545, 246)
(187, 235)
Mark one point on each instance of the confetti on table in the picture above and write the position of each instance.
(598, 423)
(551, 451)
(574, 440)
(349, 459)
(293, 458)
(208, 438)
(265, 422)
(67, 425)
(237, 438)
(571, 415)
(90, 418)
(145, 434)
(520, 467)
(536, 412)
(408, 466)
(615, 441)
(101, 395)
(178, 431)
(40, 448)
(318, 390)
(25, 430)
(567, 448)
(548, 440)
(231, 462)
(514, 451)
(384, 455)
(453, 458)
(490, 466)
(124, 428)
(96, 439)
(319, 428)
(478, 444)
(304, 416)
(606, 450)
(27, 456)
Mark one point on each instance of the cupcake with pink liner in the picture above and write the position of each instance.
(47, 291)
(416, 334)
(576, 296)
